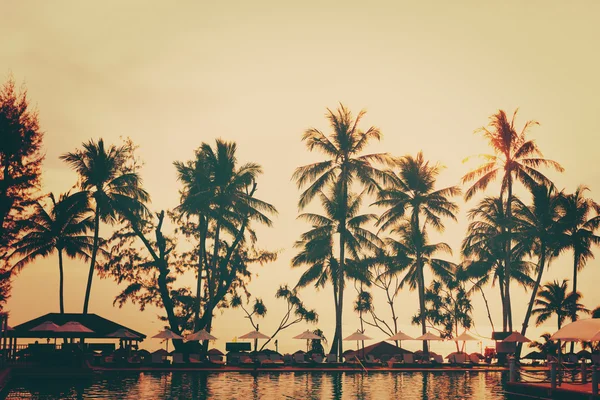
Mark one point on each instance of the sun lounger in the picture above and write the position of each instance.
(317, 358)
(287, 359)
(216, 360)
(276, 359)
(332, 361)
(178, 359)
(474, 358)
(438, 359)
(246, 361)
(299, 359)
(371, 361)
(408, 359)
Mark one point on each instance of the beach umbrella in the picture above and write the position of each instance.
(534, 355)
(255, 335)
(201, 335)
(428, 337)
(167, 334)
(308, 336)
(358, 336)
(400, 336)
(586, 330)
(465, 337)
(516, 337)
(73, 327)
(47, 326)
(584, 354)
(123, 333)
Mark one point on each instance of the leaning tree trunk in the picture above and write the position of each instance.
(340, 279)
(575, 271)
(61, 282)
(334, 343)
(541, 266)
(88, 288)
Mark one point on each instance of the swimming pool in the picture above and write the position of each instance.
(285, 385)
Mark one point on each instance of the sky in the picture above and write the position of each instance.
(260, 73)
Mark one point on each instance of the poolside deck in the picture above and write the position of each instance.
(284, 369)
(567, 391)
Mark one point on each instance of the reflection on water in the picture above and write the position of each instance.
(285, 385)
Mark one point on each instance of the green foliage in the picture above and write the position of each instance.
(554, 299)
(21, 159)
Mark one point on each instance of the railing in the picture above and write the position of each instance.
(581, 374)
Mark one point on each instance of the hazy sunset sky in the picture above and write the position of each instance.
(171, 75)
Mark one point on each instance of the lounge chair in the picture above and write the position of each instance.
(371, 361)
(178, 359)
(216, 360)
(474, 358)
(408, 358)
(276, 359)
(395, 362)
(158, 359)
(438, 359)
(246, 361)
(318, 358)
(288, 359)
(299, 359)
(331, 360)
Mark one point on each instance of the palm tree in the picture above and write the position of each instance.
(595, 312)
(62, 228)
(412, 190)
(108, 178)
(555, 299)
(516, 158)
(316, 246)
(220, 193)
(579, 230)
(484, 249)
(539, 229)
(414, 252)
(345, 166)
(547, 347)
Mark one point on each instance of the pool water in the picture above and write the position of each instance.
(284, 385)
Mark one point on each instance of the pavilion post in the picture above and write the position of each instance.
(594, 381)
(553, 374)
(512, 375)
(583, 371)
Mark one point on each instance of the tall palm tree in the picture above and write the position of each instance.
(62, 229)
(516, 158)
(317, 245)
(112, 183)
(579, 230)
(554, 298)
(345, 166)
(412, 190)
(539, 230)
(413, 247)
(484, 249)
(220, 193)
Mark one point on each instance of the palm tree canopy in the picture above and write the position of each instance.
(411, 242)
(514, 156)
(109, 176)
(579, 225)
(554, 298)
(217, 188)
(412, 190)
(343, 147)
(62, 227)
(316, 245)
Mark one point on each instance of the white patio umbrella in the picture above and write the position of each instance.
(587, 330)
(359, 337)
(428, 337)
(47, 326)
(516, 337)
(465, 337)
(123, 333)
(201, 335)
(255, 335)
(308, 336)
(400, 336)
(73, 327)
(167, 334)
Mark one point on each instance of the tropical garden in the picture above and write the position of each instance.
(369, 219)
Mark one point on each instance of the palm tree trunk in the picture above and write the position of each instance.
(61, 282)
(334, 343)
(507, 260)
(421, 285)
(340, 278)
(503, 303)
(88, 288)
(575, 271)
(201, 250)
(540, 271)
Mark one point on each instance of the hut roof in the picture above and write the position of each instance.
(100, 326)
(381, 348)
